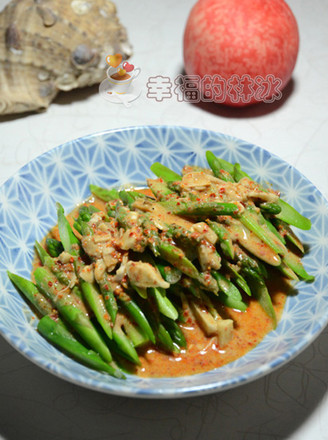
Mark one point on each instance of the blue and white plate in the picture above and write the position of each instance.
(120, 156)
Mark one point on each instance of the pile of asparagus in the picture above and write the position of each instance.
(101, 326)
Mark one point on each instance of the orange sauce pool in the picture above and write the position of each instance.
(202, 353)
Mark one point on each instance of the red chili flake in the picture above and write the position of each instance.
(106, 288)
(49, 283)
(222, 190)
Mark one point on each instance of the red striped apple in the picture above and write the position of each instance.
(240, 51)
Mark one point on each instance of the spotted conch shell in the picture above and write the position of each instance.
(52, 45)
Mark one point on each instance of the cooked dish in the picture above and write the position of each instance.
(174, 279)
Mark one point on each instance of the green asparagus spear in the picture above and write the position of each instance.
(138, 317)
(123, 342)
(271, 227)
(175, 332)
(252, 242)
(50, 262)
(105, 288)
(227, 166)
(159, 188)
(261, 294)
(202, 209)
(70, 310)
(163, 303)
(237, 278)
(69, 241)
(57, 334)
(216, 167)
(177, 258)
(104, 194)
(109, 298)
(95, 301)
(55, 247)
(126, 198)
(61, 275)
(286, 232)
(163, 338)
(32, 293)
(245, 260)
(238, 173)
(137, 194)
(288, 272)
(86, 212)
(289, 215)
(165, 173)
(251, 222)
(270, 208)
(176, 189)
(224, 238)
(295, 264)
(54, 330)
(181, 233)
(229, 294)
(135, 334)
(42, 253)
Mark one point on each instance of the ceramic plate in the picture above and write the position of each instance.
(124, 155)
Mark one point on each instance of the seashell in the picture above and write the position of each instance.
(52, 45)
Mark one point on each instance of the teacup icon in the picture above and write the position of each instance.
(121, 83)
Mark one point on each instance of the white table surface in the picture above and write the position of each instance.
(290, 403)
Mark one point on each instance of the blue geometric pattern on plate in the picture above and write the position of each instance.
(124, 155)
